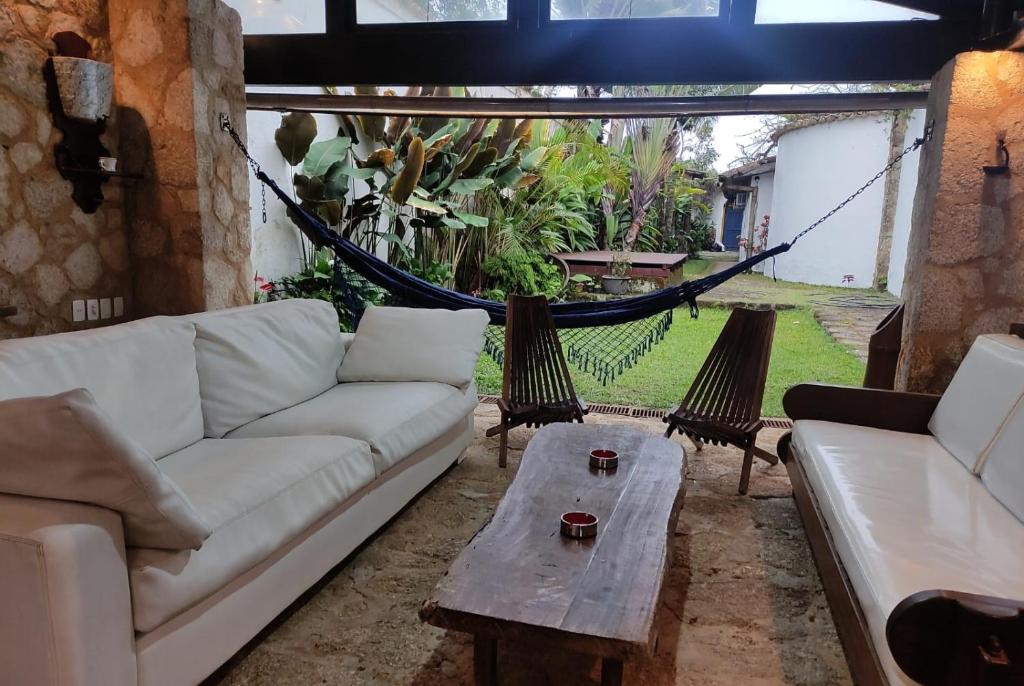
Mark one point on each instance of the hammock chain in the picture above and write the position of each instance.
(225, 125)
(918, 142)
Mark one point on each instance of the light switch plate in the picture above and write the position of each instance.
(104, 308)
(78, 310)
(92, 310)
(118, 306)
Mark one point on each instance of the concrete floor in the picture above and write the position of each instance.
(742, 604)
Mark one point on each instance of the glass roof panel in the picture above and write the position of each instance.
(429, 11)
(632, 9)
(281, 16)
(832, 11)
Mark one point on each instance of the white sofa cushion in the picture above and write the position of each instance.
(142, 374)
(984, 391)
(1002, 472)
(256, 495)
(396, 419)
(407, 344)
(63, 447)
(262, 358)
(906, 517)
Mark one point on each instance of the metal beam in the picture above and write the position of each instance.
(585, 108)
(642, 51)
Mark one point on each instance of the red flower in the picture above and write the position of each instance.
(267, 287)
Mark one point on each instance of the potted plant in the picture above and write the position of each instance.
(616, 282)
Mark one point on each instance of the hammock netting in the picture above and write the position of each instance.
(603, 338)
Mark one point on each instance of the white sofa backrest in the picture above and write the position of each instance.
(1002, 470)
(259, 359)
(142, 374)
(984, 392)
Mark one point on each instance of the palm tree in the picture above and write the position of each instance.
(656, 145)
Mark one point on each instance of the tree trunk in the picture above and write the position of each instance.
(635, 225)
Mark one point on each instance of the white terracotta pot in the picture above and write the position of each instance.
(86, 87)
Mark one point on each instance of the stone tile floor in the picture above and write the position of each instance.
(742, 605)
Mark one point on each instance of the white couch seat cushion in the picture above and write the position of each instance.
(410, 344)
(259, 359)
(984, 391)
(396, 419)
(142, 375)
(256, 495)
(906, 517)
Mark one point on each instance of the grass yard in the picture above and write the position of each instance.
(802, 351)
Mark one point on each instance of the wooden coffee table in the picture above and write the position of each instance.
(520, 580)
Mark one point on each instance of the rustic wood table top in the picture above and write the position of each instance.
(520, 579)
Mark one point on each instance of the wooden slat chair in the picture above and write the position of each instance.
(884, 351)
(536, 388)
(723, 405)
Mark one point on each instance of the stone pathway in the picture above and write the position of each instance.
(743, 603)
(850, 326)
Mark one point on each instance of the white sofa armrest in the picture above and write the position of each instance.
(66, 616)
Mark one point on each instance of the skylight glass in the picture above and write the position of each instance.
(832, 11)
(281, 16)
(632, 9)
(429, 11)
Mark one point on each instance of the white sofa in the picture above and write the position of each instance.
(914, 507)
(287, 469)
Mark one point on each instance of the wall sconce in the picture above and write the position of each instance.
(80, 91)
(1004, 160)
(86, 87)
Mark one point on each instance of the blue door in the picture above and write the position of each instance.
(733, 227)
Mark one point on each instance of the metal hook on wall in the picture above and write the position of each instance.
(1004, 158)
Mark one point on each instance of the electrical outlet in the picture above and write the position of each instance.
(118, 306)
(92, 310)
(78, 310)
(105, 308)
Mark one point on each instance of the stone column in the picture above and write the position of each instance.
(177, 66)
(965, 264)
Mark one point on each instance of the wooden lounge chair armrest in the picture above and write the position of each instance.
(941, 638)
(879, 409)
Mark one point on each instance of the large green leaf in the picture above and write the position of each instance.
(425, 205)
(533, 158)
(453, 223)
(470, 186)
(297, 131)
(472, 219)
(446, 130)
(356, 173)
(335, 181)
(325, 153)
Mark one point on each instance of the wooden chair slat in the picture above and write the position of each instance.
(536, 386)
(723, 404)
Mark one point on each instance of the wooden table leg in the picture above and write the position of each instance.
(611, 672)
(485, 661)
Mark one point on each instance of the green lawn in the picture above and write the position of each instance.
(802, 351)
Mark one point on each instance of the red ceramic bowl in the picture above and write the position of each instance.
(604, 459)
(579, 525)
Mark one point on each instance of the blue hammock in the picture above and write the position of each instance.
(417, 292)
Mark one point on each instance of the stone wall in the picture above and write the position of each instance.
(965, 265)
(177, 67)
(50, 251)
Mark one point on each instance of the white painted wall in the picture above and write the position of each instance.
(718, 213)
(765, 194)
(905, 205)
(817, 167)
